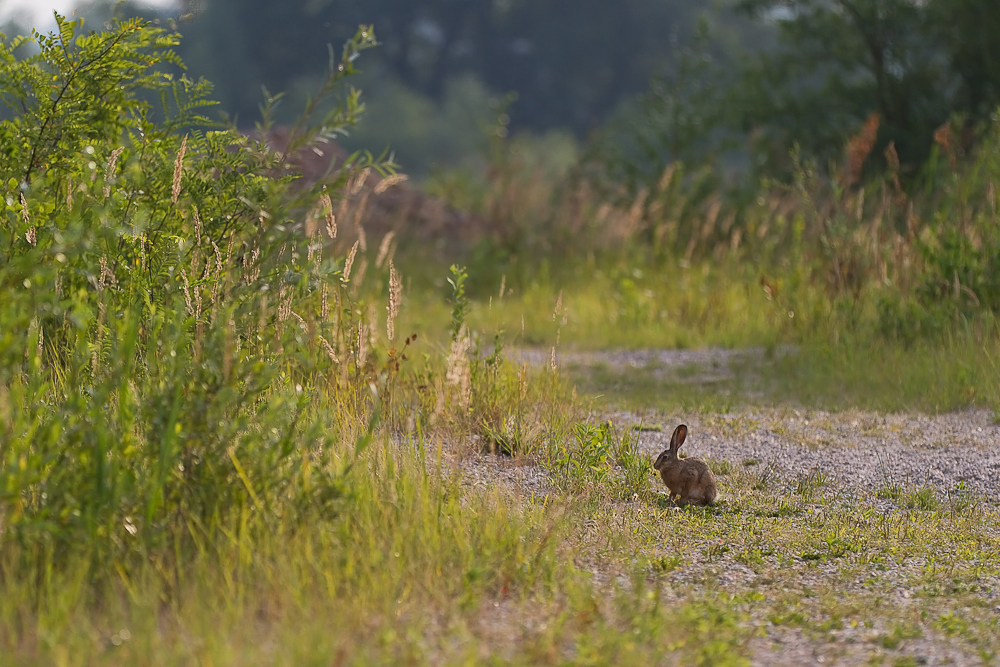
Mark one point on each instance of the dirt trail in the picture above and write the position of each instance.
(708, 365)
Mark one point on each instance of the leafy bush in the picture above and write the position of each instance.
(602, 457)
(165, 321)
(963, 268)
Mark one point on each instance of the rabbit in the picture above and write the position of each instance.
(690, 480)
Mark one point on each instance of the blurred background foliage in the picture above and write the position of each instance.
(782, 131)
(443, 64)
(736, 84)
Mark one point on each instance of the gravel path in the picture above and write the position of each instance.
(712, 364)
(862, 450)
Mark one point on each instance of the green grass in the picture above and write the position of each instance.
(931, 377)
(823, 561)
(873, 375)
(419, 570)
(423, 570)
(628, 305)
(831, 355)
(409, 564)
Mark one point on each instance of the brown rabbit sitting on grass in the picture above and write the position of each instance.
(690, 480)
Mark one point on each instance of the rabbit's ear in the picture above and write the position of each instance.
(677, 439)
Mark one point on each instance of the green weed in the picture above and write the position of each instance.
(666, 564)
(604, 457)
(811, 484)
(923, 498)
(900, 633)
(721, 467)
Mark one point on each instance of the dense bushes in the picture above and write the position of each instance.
(165, 321)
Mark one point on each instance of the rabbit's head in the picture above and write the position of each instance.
(670, 454)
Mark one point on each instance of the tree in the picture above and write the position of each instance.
(916, 63)
(839, 61)
(967, 30)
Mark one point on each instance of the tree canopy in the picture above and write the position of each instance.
(916, 63)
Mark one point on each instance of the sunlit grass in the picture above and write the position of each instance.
(882, 377)
(425, 569)
(802, 347)
(629, 308)
(416, 568)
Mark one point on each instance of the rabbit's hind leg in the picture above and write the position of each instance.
(696, 497)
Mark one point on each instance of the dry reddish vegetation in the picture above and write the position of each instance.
(377, 205)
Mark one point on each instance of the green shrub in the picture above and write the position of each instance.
(603, 458)
(164, 321)
(961, 246)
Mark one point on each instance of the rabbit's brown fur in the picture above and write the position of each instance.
(690, 480)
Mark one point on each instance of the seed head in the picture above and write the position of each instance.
(350, 262)
(178, 168)
(383, 249)
(395, 295)
(387, 183)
